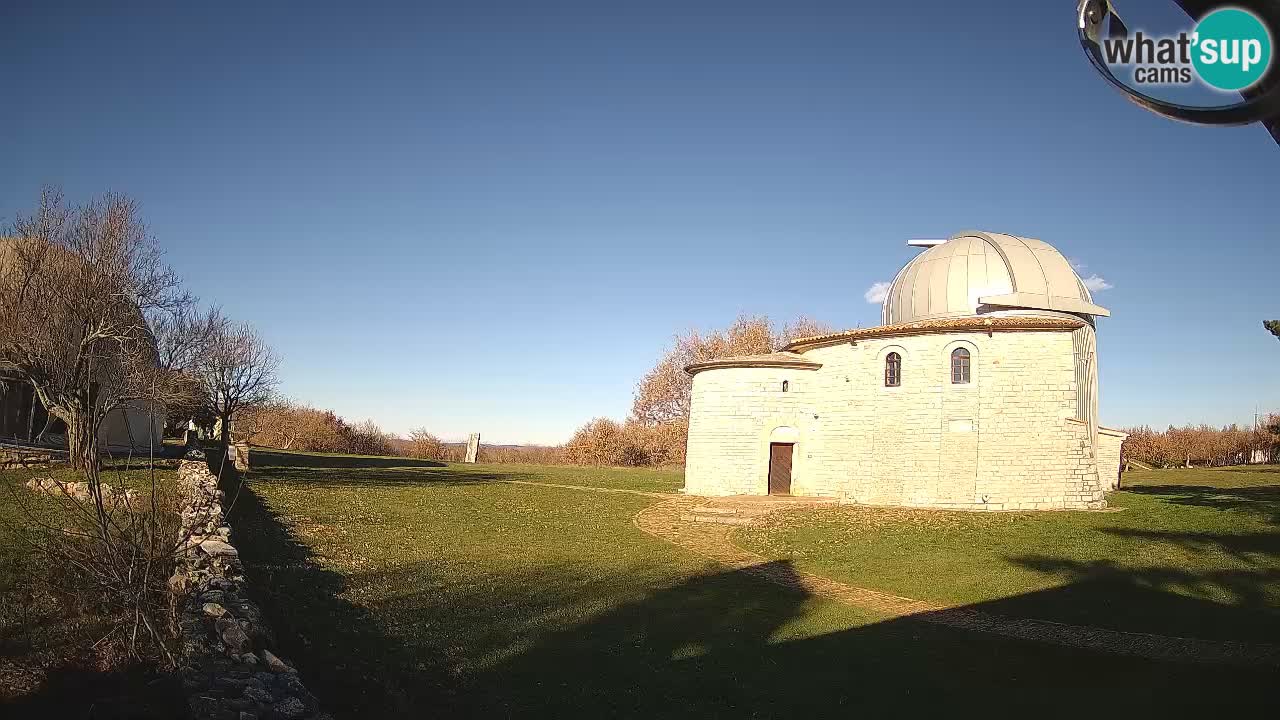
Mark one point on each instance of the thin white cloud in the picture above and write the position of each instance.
(877, 292)
(1095, 282)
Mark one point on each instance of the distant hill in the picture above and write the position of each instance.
(402, 446)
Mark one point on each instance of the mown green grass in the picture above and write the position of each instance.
(338, 468)
(1190, 552)
(420, 590)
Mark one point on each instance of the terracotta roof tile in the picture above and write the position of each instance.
(1009, 323)
(777, 359)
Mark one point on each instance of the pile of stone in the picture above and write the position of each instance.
(229, 671)
(77, 490)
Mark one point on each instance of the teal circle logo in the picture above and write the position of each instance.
(1232, 49)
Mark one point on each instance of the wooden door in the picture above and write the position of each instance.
(780, 468)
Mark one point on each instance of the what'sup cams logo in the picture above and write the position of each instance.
(1229, 49)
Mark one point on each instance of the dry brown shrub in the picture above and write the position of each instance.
(293, 426)
(599, 442)
(425, 446)
(1203, 445)
(367, 438)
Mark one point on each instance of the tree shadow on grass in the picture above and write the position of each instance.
(266, 458)
(717, 646)
(348, 661)
(559, 641)
(1231, 603)
(1261, 500)
(336, 471)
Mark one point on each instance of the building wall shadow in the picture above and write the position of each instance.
(1261, 500)
(719, 644)
(268, 458)
(340, 471)
(347, 660)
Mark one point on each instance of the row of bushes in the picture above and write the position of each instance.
(1204, 445)
(426, 446)
(602, 441)
(295, 426)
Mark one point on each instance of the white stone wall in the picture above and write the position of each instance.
(132, 429)
(1004, 441)
(1109, 442)
(736, 411)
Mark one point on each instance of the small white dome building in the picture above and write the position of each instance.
(979, 391)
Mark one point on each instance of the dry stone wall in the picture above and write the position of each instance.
(17, 457)
(229, 671)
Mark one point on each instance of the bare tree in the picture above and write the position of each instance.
(78, 289)
(237, 372)
(366, 438)
(423, 444)
(184, 341)
(801, 327)
(663, 394)
(289, 425)
(83, 291)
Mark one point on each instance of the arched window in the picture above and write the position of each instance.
(786, 385)
(892, 370)
(959, 366)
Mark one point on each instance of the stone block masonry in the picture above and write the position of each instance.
(228, 669)
(1006, 439)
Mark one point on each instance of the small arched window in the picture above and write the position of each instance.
(892, 370)
(959, 366)
(786, 385)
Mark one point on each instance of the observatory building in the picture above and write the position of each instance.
(979, 392)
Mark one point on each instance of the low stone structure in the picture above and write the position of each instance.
(24, 457)
(238, 454)
(78, 490)
(229, 671)
(1109, 457)
(473, 448)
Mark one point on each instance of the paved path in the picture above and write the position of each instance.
(712, 540)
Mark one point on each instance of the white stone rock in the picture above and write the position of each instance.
(217, 548)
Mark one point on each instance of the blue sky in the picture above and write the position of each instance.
(493, 216)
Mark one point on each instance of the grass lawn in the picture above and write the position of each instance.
(336, 469)
(412, 589)
(49, 666)
(1194, 553)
